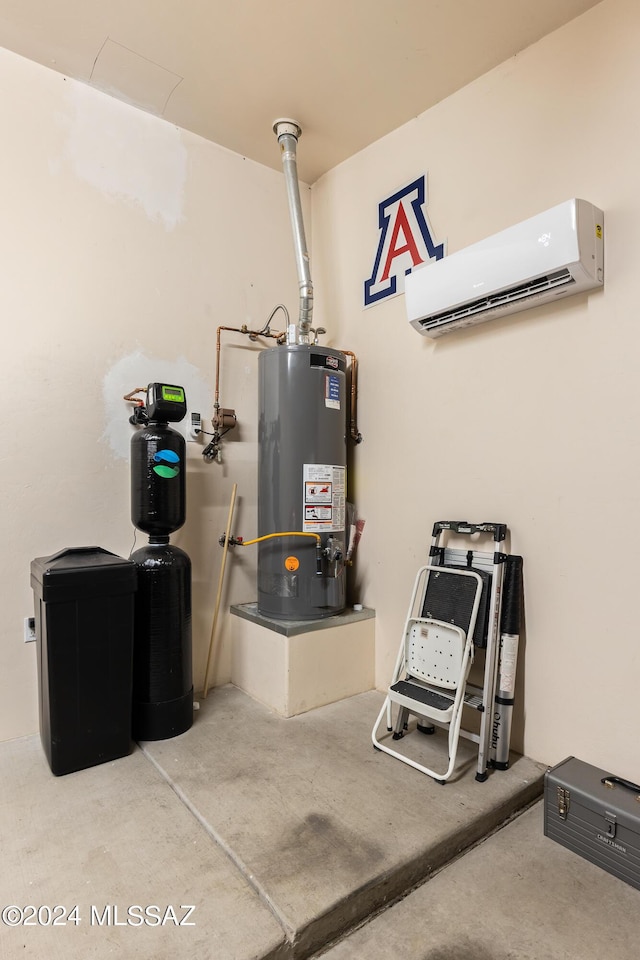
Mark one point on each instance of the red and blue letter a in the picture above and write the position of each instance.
(405, 242)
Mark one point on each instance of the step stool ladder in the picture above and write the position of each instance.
(454, 608)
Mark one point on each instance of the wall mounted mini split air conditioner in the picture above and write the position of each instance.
(554, 254)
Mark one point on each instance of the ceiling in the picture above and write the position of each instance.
(349, 71)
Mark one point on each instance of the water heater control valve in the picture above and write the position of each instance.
(334, 549)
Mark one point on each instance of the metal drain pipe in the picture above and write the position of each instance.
(288, 132)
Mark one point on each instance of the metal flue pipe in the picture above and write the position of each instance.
(288, 132)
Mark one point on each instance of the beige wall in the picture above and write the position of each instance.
(533, 419)
(124, 243)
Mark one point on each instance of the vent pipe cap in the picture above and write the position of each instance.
(284, 125)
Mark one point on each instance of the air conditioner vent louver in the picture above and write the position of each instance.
(501, 300)
(555, 254)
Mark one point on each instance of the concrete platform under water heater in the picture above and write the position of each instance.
(296, 665)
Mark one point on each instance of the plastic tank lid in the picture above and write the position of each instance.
(82, 567)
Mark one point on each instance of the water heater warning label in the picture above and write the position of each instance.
(315, 492)
(317, 513)
(324, 498)
(332, 392)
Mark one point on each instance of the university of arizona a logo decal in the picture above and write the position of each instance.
(405, 242)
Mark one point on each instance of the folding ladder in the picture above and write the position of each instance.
(454, 608)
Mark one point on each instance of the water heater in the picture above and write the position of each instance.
(302, 480)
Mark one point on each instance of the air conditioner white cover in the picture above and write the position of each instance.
(555, 254)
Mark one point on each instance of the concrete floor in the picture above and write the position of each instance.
(516, 896)
(289, 838)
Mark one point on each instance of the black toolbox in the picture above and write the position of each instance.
(595, 814)
(84, 600)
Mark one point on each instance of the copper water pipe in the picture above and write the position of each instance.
(353, 425)
(252, 334)
(132, 398)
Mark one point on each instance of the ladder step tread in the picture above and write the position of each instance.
(430, 697)
(421, 695)
(472, 700)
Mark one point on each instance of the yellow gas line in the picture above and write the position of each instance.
(269, 536)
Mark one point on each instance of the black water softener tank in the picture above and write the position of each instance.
(162, 674)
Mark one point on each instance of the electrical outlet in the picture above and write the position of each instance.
(29, 629)
(195, 427)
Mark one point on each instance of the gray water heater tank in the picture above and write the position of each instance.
(302, 481)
